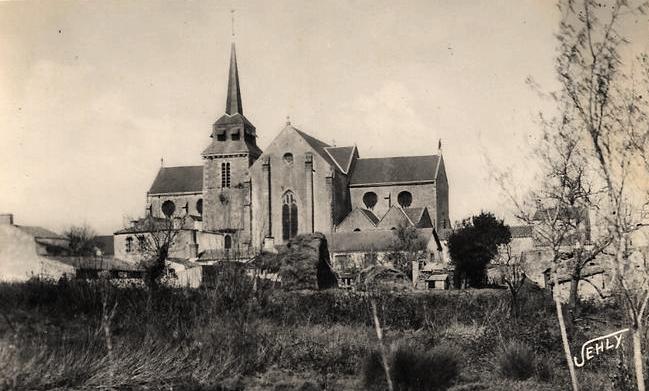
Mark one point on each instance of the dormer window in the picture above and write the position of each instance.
(235, 135)
(220, 134)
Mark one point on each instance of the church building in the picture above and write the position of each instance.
(243, 200)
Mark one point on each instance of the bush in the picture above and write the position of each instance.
(517, 361)
(413, 369)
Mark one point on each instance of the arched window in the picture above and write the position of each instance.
(369, 199)
(404, 199)
(288, 158)
(168, 208)
(227, 242)
(225, 174)
(199, 206)
(289, 216)
(357, 230)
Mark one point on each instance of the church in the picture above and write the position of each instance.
(243, 200)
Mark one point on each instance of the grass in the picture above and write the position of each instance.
(53, 336)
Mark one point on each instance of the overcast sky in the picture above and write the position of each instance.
(94, 93)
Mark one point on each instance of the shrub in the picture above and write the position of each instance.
(517, 361)
(413, 369)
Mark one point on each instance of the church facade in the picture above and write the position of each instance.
(244, 200)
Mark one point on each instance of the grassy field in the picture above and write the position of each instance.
(79, 335)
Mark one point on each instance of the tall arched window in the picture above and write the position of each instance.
(227, 242)
(225, 174)
(289, 216)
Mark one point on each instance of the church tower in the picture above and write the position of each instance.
(226, 183)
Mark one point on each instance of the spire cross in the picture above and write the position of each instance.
(232, 13)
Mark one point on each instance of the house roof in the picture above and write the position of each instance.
(402, 169)
(564, 213)
(99, 263)
(154, 224)
(437, 277)
(39, 232)
(521, 231)
(343, 157)
(184, 179)
(365, 241)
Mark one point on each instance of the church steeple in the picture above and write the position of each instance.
(233, 104)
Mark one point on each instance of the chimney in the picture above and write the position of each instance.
(6, 219)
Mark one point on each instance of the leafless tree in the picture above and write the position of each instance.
(512, 273)
(156, 238)
(610, 106)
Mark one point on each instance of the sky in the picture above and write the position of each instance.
(94, 93)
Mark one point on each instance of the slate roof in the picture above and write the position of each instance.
(39, 232)
(99, 263)
(416, 215)
(154, 224)
(400, 169)
(183, 179)
(342, 156)
(317, 145)
(370, 215)
(368, 240)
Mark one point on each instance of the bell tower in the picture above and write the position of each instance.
(226, 184)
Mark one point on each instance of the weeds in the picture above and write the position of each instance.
(517, 361)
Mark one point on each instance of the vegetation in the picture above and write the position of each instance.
(413, 369)
(78, 335)
(82, 240)
(474, 245)
(517, 361)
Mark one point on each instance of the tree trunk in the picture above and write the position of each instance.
(637, 357)
(564, 335)
(574, 294)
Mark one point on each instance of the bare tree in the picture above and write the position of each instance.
(156, 238)
(512, 273)
(82, 240)
(611, 109)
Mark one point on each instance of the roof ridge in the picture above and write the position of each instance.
(396, 157)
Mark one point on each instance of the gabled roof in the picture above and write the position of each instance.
(317, 145)
(342, 156)
(186, 179)
(39, 232)
(358, 218)
(402, 169)
(419, 217)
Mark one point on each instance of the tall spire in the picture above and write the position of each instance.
(233, 104)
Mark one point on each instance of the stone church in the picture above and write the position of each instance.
(242, 200)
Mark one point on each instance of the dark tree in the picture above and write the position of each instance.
(82, 240)
(474, 245)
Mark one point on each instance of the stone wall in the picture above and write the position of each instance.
(154, 202)
(286, 159)
(423, 195)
